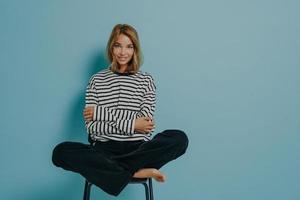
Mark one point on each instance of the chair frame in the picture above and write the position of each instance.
(147, 182)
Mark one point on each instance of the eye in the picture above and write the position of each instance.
(117, 46)
(130, 46)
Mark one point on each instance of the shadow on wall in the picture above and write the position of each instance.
(74, 130)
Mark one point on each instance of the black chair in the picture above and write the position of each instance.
(147, 182)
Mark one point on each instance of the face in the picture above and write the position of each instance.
(123, 50)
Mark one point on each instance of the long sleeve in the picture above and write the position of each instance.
(149, 100)
(105, 120)
(118, 100)
(104, 114)
(101, 128)
(147, 108)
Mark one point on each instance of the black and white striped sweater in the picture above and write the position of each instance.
(118, 100)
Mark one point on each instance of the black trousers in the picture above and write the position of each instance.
(111, 165)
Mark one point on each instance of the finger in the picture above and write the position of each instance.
(146, 131)
(87, 109)
(149, 129)
(147, 118)
(150, 124)
(86, 112)
(150, 119)
(88, 116)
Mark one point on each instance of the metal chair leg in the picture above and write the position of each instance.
(151, 189)
(87, 190)
(146, 191)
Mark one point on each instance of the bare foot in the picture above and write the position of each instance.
(150, 173)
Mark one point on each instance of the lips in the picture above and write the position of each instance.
(122, 59)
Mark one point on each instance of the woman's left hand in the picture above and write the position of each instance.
(88, 113)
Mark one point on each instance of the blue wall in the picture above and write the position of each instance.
(227, 73)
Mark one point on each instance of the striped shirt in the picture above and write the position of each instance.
(118, 99)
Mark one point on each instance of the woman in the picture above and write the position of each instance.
(120, 102)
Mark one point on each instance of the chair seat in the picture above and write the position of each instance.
(138, 180)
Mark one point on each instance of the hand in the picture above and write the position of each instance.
(88, 113)
(144, 125)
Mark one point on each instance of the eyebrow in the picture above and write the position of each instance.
(127, 44)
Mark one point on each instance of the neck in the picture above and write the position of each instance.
(123, 68)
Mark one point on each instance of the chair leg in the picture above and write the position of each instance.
(146, 190)
(151, 189)
(87, 190)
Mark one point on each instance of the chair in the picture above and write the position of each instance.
(147, 182)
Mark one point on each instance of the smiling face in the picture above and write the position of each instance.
(123, 50)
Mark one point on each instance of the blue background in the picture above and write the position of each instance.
(227, 73)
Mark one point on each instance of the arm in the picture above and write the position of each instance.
(104, 114)
(102, 128)
(149, 100)
(147, 107)
(104, 120)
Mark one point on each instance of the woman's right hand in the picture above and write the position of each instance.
(144, 125)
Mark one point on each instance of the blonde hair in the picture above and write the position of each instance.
(136, 61)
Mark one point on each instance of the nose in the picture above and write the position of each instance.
(123, 51)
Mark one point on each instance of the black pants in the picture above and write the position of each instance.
(111, 165)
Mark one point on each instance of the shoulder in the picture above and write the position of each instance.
(102, 74)
(145, 76)
(148, 80)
